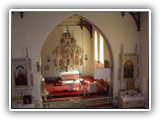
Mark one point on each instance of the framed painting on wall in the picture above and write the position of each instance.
(20, 73)
(27, 99)
(130, 85)
(128, 69)
(20, 76)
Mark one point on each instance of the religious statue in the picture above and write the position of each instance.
(81, 61)
(67, 41)
(68, 60)
(55, 62)
(76, 60)
(79, 90)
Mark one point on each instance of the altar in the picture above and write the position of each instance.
(71, 84)
(131, 101)
(74, 75)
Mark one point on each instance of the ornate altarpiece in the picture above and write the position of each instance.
(128, 73)
(68, 55)
(22, 79)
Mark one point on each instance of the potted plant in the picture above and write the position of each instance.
(19, 102)
(133, 92)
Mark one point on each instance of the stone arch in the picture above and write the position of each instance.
(105, 39)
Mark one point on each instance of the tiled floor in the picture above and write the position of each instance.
(78, 103)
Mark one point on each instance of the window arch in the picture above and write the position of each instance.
(95, 46)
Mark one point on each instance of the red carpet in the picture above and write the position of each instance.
(104, 82)
(101, 105)
(59, 91)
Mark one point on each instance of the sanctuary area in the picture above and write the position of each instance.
(77, 59)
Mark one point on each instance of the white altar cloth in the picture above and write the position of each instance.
(131, 98)
(69, 73)
(71, 84)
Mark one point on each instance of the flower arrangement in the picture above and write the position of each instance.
(63, 69)
(19, 101)
(133, 92)
(74, 68)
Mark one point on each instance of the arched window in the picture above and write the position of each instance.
(101, 50)
(95, 46)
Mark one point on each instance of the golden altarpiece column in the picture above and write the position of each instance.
(68, 56)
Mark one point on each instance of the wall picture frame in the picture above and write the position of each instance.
(130, 85)
(20, 76)
(129, 69)
(27, 99)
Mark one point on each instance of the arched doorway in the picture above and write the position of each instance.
(78, 33)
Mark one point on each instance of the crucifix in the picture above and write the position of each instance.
(21, 14)
(81, 24)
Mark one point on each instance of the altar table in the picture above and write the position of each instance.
(69, 75)
(131, 101)
(71, 84)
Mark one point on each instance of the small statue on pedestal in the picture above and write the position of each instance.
(68, 60)
(79, 90)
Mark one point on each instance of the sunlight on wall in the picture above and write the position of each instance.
(101, 50)
(96, 46)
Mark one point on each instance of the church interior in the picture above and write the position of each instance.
(76, 59)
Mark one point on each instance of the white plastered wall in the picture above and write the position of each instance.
(144, 53)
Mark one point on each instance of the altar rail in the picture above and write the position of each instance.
(77, 103)
(98, 101)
